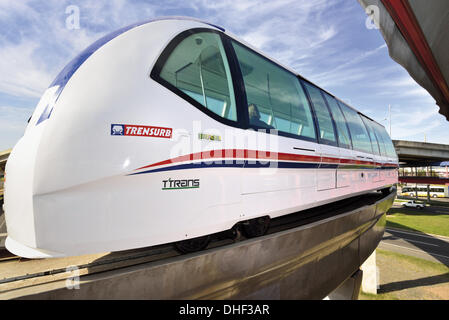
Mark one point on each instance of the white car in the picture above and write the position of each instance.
(413, 204)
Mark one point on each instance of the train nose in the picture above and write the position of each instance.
(19, 197)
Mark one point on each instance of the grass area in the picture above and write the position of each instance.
(418, 220)
(421, 264)
(405, 277)
(380, 296)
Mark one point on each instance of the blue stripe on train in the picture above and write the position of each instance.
(254, 164)
(235, 164)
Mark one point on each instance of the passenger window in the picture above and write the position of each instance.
(344, 139)
(326, 128)
(382, 147)
(389, 147)
(360, 138)
(275, 96)
(199, 68)
(369, 127)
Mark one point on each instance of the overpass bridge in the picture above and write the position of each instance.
(420, 154)
(414, 154)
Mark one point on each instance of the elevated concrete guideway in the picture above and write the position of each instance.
(421, 154)
(418, 154)
(308, 255)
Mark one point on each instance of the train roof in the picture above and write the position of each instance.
(73, 65)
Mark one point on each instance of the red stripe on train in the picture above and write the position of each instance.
(255, 154)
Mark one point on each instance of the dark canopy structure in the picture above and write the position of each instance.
(416, 33)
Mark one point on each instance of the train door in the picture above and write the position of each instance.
(327, 172)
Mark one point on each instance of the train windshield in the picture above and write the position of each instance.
(198, 66)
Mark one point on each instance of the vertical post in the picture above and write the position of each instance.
(428, 194)
(416, 184)
(202, 83)
(389, 113)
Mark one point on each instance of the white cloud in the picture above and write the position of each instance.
(401, 131)
(26, 71)
(21, 74)
(403, 86)
(417, 121)
(350, 70)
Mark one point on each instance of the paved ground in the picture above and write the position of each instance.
(419, 245)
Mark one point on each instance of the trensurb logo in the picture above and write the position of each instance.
(117, 129)
(139, 130)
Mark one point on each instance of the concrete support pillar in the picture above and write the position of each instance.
(370, 281)
(348, 290)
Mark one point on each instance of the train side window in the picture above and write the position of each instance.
(370, 128)
(389, 147)
(359, 135)
(344, 139)
(326, 128)
(383, 150)
(275, 96)
(198, 67)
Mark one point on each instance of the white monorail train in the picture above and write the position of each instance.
(105, 164)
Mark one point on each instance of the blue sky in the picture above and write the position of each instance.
(325, 41)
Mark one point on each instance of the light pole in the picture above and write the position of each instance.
(389, 114)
